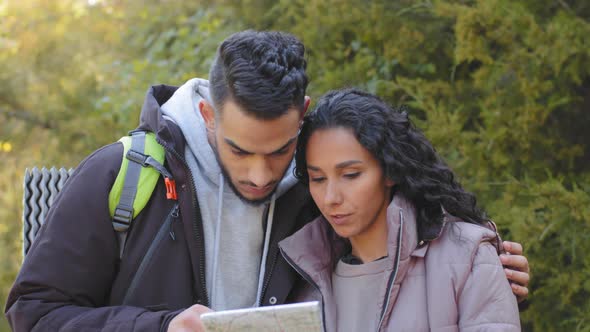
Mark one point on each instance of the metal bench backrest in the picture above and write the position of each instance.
(41, 186)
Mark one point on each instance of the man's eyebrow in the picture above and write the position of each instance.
(235, 146)
(289, 142)
(313, 168)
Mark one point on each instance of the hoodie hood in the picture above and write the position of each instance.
(182, 109)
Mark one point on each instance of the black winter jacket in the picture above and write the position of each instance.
(72, 278)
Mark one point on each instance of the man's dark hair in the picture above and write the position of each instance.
(262, 72)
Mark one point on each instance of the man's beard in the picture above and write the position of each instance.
(227, 178)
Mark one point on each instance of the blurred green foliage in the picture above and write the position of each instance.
(502, 88)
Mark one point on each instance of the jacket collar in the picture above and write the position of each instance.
(152, 119)
(316, 248)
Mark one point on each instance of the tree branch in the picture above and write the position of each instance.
(27, 117)
(565, 5)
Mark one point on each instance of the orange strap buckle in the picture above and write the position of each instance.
(170, 189)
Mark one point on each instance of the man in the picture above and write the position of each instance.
(229, 146)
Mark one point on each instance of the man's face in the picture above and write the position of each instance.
(253, 153)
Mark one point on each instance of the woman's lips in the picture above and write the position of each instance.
(340, 218)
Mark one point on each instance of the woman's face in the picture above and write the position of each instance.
(347, 183)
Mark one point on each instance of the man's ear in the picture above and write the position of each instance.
(208, 114)
(306, 103)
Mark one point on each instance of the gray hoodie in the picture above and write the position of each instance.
(235, 241)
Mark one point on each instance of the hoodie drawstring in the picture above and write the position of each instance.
(217, 239)
(271, 212)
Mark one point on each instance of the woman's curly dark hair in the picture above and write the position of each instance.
(405, 154)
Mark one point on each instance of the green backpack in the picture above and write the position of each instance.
(141, 167)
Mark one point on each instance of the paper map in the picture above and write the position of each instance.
(297, 317)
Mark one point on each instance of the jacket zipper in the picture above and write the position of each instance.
(269, 272)
(387, 298)
(150, 252)
(309, 280)
(269, 276)
(267, 279)
(196, 229)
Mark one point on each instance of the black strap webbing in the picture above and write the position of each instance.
(124, 212)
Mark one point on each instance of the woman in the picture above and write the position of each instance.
(400, 246)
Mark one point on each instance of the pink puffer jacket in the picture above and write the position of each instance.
(453, 283)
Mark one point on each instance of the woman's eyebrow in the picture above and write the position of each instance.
(343, 164)
(347, 163)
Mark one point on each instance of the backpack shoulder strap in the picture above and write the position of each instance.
(140, 170)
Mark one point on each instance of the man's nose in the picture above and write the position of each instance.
(260, 173)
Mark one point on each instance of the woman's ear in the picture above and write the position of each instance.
(208, 114)
(389, 183)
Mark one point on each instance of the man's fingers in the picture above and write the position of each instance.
(520, 291)
(189, 320)
(514, 248)
(520, 278)
(515, 262)
(517, 269)
(199, 309)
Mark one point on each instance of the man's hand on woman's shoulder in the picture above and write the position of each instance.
(516, 267)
